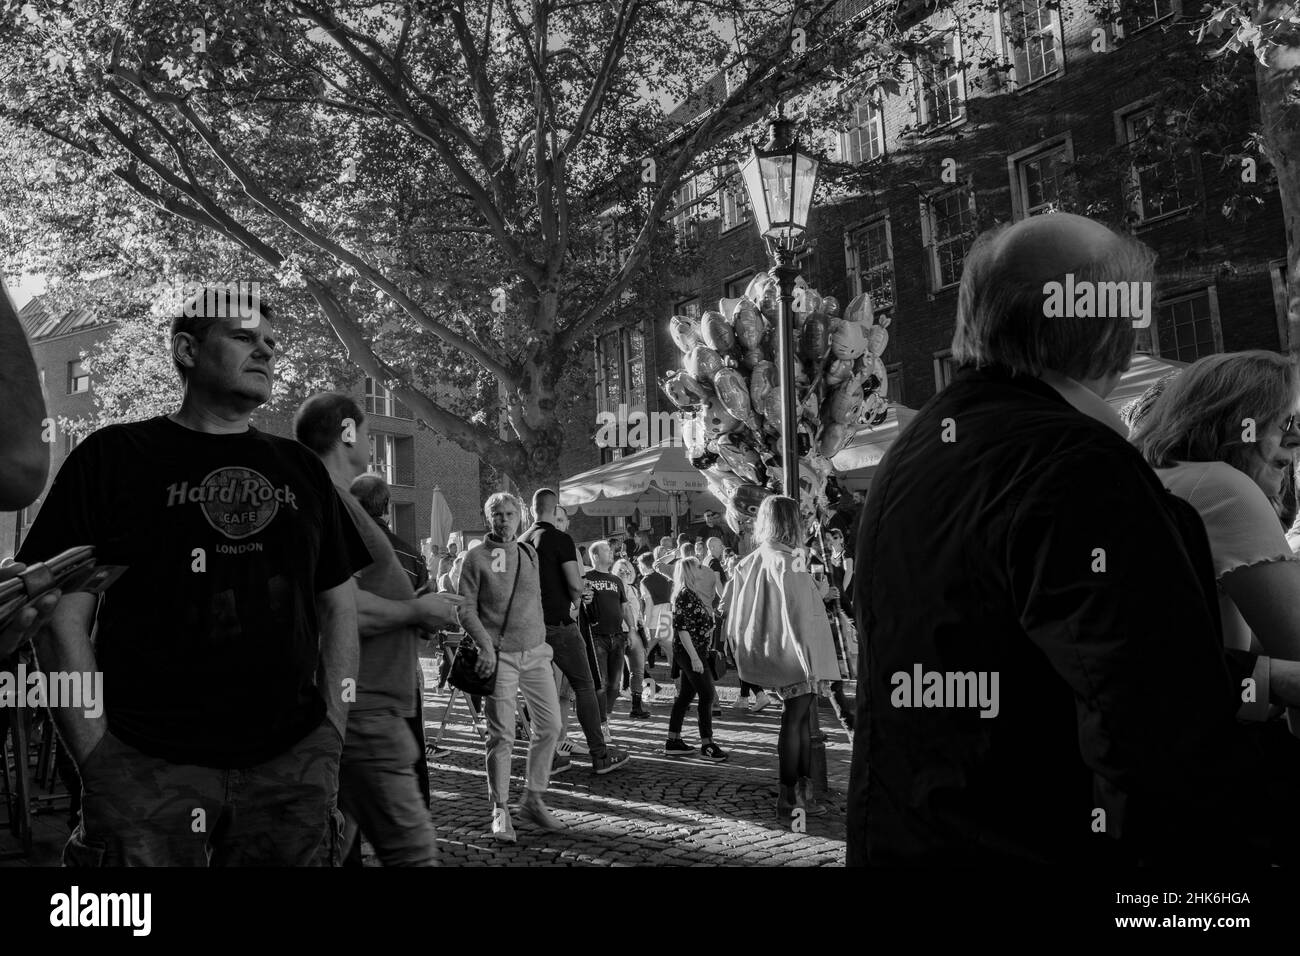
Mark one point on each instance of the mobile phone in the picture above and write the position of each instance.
(72, 571)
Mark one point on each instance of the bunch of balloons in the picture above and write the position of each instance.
(730, 395)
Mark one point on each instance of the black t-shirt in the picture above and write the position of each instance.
(554, 548)
(209, 643)
(609, 599)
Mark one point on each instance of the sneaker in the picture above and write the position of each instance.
(678, 748)
(503, 831)
(433, 753)
(564, 747)
(613, 760)
(640, 713)
(742, 703)
(533, 810)
(575, 745)
(713, 752)
(560, 764)
(761, 700)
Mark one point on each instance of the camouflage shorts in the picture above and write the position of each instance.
(139, 810)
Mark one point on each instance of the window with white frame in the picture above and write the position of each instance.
(620, 370)
(1031, 31)
(380, 401)
(383, 456)
(733, 199)
(684, 222)
(944, 369)
(948, 228)
(1187, 326)
(1145, 13)
(870, 254)
(1038, 178)
(78, 378)
(941, 81)
(864, 139)
(1162, 177)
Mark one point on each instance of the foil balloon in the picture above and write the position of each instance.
(734, 395)
(834, 438)
(763, 392)
(702, 363)
(682, 390)
(806, 300)
(845, 403)
(685, 332)
(848, 341)
(838, 371)
(692, 432)
(831, 306)
(717, 420)
(716, 332)
(748, 325)
(728, 307)
(744, 462)
(877, 339)
(748, 497)
(764, 292)
(750, 359)
(813, 339)
(860, 310)
(874, 409)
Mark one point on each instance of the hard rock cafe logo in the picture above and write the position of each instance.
(238, 502)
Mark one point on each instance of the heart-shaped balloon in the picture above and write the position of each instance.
(764, 394)
(717, 332)
(702, 363)
(685, 332)
(834, 438)
(717, 420)
(728, 307)
(743, 461)
(748, 497)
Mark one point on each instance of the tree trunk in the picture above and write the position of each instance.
(1279, 100)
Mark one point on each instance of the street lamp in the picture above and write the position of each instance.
(780, 179)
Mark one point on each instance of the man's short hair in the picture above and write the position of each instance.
(600, 548)
(646, 559)
(543, 500)
(683, 539)
(710, 511)
(371, 492)
(319, 421)
(1001, 320)
(209, 306)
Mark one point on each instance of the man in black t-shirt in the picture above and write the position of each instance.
(612, 622)
(562, 587)
(230, 643)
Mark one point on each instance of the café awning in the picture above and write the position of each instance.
(656, 481)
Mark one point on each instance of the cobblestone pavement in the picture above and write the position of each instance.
(656, 811)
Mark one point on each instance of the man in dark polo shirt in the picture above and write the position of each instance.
(379, 789)
(612, 623)
(229, 645)
(562, 587)
(1043, 678)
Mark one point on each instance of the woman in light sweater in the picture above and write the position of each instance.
(502, 612)
(776, 623)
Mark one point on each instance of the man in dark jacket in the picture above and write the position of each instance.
(1043, 676)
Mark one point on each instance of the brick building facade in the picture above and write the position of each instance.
(986, 130)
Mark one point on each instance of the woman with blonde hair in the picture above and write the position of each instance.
(777, 625)
(692, 639)
(636, 639)
(1223, 436)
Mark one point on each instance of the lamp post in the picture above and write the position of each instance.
(780, 179)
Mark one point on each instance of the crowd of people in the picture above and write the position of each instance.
(1080, 633)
